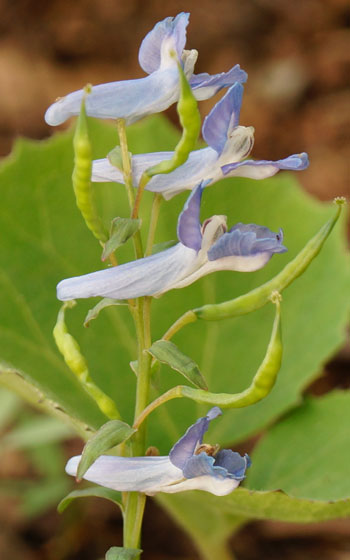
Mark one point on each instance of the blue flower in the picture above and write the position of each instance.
(159, 54)
(190, 465)
(228, 144)
(202, 249)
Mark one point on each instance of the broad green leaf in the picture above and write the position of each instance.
(95, 311)
(121, 230)
(168, 353)
(220, 516)
(91, 492)
(110, 435)
(307, 454)
(299, 474)
(121, 553)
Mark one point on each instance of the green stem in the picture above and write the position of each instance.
(153, 223)
(133, 516)
(127, 173)
(185, 319)
(135, 502)
(121, 128)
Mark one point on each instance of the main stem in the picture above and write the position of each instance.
(135, 501)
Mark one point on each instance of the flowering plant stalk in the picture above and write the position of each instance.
(132, 471)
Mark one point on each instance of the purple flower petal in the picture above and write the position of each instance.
(265, 168)
(246, 240)
(188, 225)
(223, 118)
(233, 463)
(151, 46)
(202, 464)
(205, 85)
(185, 447)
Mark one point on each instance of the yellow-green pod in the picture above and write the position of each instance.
(70, 350)
(260, 387)
(82, 175)
(190, 120)
(260, 296)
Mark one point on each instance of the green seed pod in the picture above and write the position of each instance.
(260, 296)
(190, 120)
(260, 387)
(82, 175)
(70, 350)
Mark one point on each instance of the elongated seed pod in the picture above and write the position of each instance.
(260, 296)
(190, 120)
(259, 388)
(82, 175)
(70, 350)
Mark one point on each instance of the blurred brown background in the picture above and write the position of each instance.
(297, 98)
(297, 56)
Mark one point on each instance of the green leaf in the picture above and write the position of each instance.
(168, 353)
(110, 435)
(307, 454)
(220, 516)
(121, 553)
(91, 492)
(95, 311)
(121, 230)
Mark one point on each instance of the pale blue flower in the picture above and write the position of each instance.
(228, 144)
(159, 54)
(189, 466)
(202, 249)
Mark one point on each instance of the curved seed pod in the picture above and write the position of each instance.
(260, 387)
(82, 175)
(190, 120)
(76, 362)
(260, 296)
